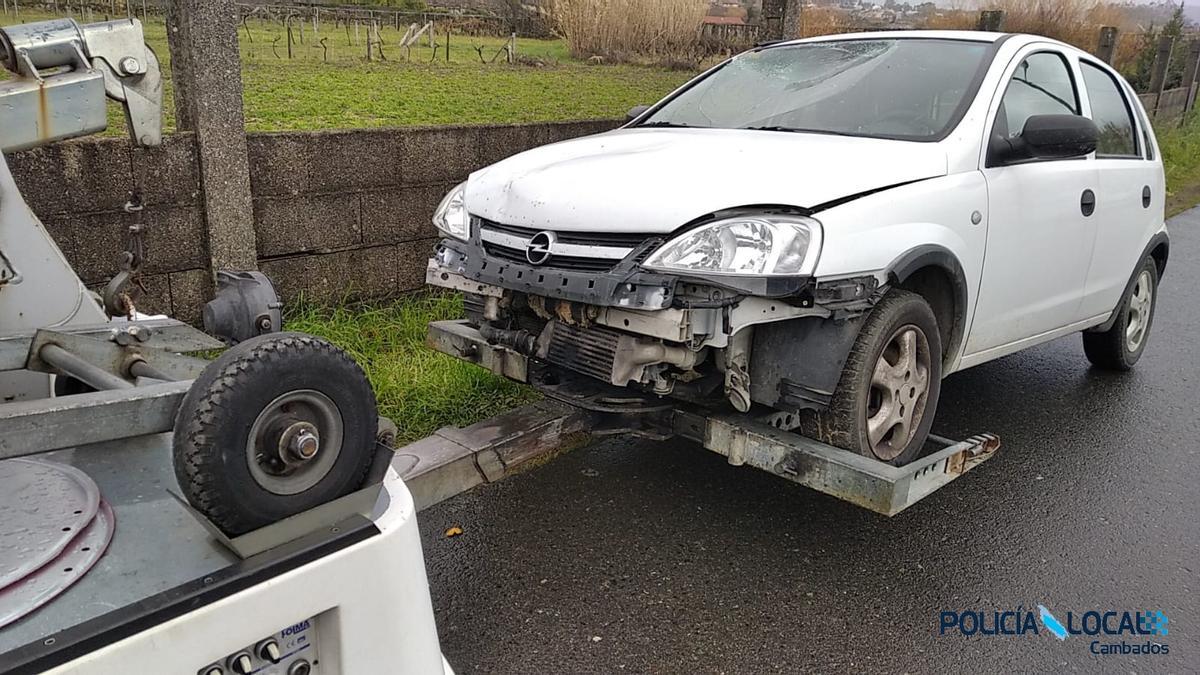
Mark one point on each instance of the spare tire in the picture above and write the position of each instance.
(276, 425)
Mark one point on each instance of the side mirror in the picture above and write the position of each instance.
(1049, 137)
(1060, 136)
(636, 112)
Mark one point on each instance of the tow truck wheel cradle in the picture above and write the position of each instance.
(843, 474)
(609, 410)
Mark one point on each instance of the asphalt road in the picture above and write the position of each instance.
(633, 556)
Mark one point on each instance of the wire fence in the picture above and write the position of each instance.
(344, 36)
(462, 22)
(333, 34)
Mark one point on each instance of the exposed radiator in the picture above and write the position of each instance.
(586, 350)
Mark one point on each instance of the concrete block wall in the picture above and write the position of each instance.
(338, 214)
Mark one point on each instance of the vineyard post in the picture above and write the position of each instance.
(1158, 77)
(1107, 44)
(1190, 71)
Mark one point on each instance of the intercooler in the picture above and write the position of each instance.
(590, 350)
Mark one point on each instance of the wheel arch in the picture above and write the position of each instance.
(935, 273)
(1158, 248)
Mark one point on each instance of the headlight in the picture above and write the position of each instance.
(759, 245)
(451, 215)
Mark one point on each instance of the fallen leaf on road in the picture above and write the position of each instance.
(454, 531)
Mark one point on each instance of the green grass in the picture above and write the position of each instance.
(421, 390)
(316, 96)
(1180, 146)
(307, 92)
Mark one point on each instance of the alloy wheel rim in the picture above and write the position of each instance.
(1140, 302)
(898, 391)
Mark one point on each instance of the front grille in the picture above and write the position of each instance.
(578, 251)
(590, 351)
(555, 261)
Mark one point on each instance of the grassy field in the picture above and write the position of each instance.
(421, 390)
(308, 92)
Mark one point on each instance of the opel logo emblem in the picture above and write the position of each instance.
(539, 248)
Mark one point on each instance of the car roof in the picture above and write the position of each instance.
(971, 35)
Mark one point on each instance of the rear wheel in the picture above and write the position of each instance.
(885, 401)
(1119, 347)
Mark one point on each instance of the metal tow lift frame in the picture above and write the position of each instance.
(743, 440)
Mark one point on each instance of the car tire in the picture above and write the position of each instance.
(1120, 347)
(246, 428)
(879, 409)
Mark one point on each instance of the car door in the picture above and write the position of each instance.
(1039, 240)
(1131, 189)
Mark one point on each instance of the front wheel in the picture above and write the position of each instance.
(1119, 347)
(885, 400)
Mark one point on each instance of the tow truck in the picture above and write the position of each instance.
(163, 513)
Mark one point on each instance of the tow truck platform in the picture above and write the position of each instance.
(166, 580)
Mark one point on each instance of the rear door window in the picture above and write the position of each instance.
(1111, 113)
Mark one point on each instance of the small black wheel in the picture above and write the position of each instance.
(1119, 347)
(276, 425)
(885, 400)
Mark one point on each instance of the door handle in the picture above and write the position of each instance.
(1087, 202)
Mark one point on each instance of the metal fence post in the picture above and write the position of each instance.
(1107, 44)
(1162, 60)
(991, 20)
(1190, 69)
(206, 70)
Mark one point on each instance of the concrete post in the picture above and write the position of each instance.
(1158, 77)
(1107, 44)
(991, 20)
(207, 73)
(792, 28)
(772, 20)
(781, 19)
(1190, 69)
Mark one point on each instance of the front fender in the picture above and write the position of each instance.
(895, 232)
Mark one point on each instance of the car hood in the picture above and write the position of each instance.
(655, 180)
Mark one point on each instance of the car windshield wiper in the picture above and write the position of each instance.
(671, 125)
(796, 130)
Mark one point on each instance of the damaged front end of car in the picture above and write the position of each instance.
(727, 307)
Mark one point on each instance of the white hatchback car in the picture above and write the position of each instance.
(819, 231)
